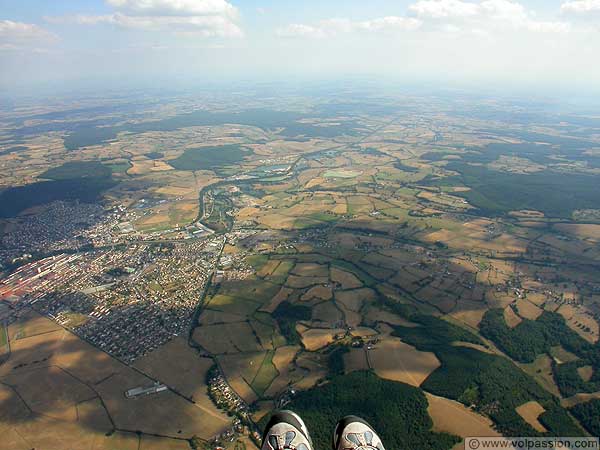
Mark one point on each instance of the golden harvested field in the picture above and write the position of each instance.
(156, 443)
(241, 443)
(299, 282)
(169, 215)
(359, 204)
(530, 412)
(157, 221)
(511, 318)
(277, 221)
(352, 318)
(528, 310)
(314, 182)
(394, 360)
(146, 166)
(314, 367)
(283, 357)
(31, 324)
(582, 231)
(318, 292)
(22, 430)
(537, 299)
(340, 208)
(503, 244)
(177, 191)
(165, 413)
(345, 279)
(354, 299)
(577, 318)
(316, 338)
(310, 270)
(571, 247)
(50, 391)
(62, 380)
(585, 372)
(496, 299)
(119, 440)
(579, 398)
(131, 441)
(440, 236)
(363, 332)
(453, 417)
(239, 370)
(180, 367)
(268, 268)
(469, 312)
(247, 213)
(263, 407)
(283, 362)
(527, 214)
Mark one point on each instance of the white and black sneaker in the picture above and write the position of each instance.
(286, 430)
(354, 433)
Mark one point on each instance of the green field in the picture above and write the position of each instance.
(265, 375)
(257, 261)
(232, 305)
(280, 274)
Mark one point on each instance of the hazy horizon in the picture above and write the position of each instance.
(545, 46)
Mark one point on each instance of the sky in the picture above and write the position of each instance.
(553, 44)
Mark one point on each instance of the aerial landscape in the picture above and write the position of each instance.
(177, 265)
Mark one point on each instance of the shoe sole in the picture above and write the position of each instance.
(291, 418)
(342, 424)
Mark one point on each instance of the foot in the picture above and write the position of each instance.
(353, 433)
(286, 430)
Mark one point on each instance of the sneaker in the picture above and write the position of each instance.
(286, 430)
(353, 433)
